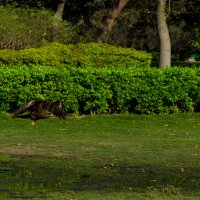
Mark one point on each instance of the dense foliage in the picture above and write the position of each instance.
(196, 41)
(105, 90)
(80, 55)
(24, 28)
(135, 27)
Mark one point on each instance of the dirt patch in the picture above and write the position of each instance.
(19, 150)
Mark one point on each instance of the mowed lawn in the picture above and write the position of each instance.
(107, 157)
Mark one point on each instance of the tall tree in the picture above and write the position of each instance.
(109, 20)
(163, 32)
(60, 9)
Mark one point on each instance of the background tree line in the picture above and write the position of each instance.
(132, 24)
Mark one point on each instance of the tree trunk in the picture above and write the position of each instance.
(60, 9)
(108, 22)
(163, 32)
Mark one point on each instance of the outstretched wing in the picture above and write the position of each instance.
(25, 107)
(57, 108)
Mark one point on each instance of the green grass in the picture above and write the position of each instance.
(101, 157)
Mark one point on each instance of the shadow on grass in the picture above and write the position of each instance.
(40, 174)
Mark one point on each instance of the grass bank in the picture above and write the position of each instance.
(101, 157)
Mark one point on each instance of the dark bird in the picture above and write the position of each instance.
(38, 109)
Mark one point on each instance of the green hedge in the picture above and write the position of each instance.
(79, 55)
(106, 90)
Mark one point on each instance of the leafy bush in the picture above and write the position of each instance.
(105, 90)
(22, 28)
(107, 55)
(17, 84)
(80, 55)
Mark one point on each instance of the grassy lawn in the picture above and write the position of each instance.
(111, 157)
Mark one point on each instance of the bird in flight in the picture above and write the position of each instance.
(39, 109)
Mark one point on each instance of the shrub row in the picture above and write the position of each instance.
(106, 90)
(79, 55)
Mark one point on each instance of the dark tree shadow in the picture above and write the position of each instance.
(61, 175)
